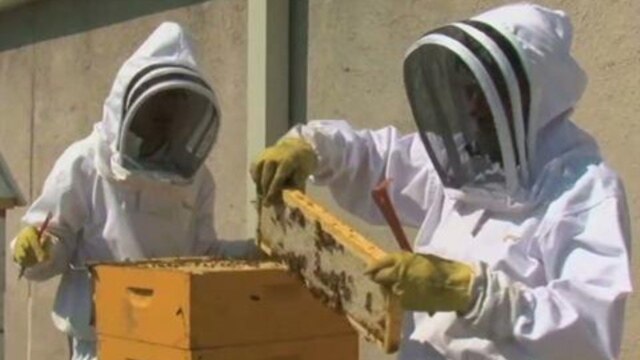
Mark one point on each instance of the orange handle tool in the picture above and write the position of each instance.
(381, 197)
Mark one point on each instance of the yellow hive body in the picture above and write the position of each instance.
(198, 309)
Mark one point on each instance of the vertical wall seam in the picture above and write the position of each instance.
(298, 61)
(32, 122)
(267, 83)
(32, 118)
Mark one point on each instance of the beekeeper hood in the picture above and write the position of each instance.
(481, 90)
(161, 117)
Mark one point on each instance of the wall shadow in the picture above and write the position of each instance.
(48, 19)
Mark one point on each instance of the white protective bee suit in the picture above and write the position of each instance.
(108, 204)
(547, 230)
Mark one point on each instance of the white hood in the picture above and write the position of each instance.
(169, 44)
(525, 49)
(544, 38)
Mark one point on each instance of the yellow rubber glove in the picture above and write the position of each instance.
(29, 250)
(425, 282)
(287, 164)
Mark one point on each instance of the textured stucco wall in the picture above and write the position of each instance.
(51, 92)
(356, 49)
(52, 89)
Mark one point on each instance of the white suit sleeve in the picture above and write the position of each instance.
(352, 162)
(206, 239)
(580, 313)
(64, 195)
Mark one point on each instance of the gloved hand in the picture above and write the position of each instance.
(287, 164)
(425, 282)
(29, 250)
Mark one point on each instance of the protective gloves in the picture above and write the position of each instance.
(425, 283)
(287, 164)
(29, 250)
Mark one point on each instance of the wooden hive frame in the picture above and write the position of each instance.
(331, 258)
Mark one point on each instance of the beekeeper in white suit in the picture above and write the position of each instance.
(523, 248)
(135, 188)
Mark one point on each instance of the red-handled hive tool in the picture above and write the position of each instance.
(381, 197)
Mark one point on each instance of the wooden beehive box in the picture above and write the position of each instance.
(203, 309)
(342, 347)
(331, 258)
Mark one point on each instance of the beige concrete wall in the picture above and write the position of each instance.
(52, 86)
(54, 76)
(355, 57)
